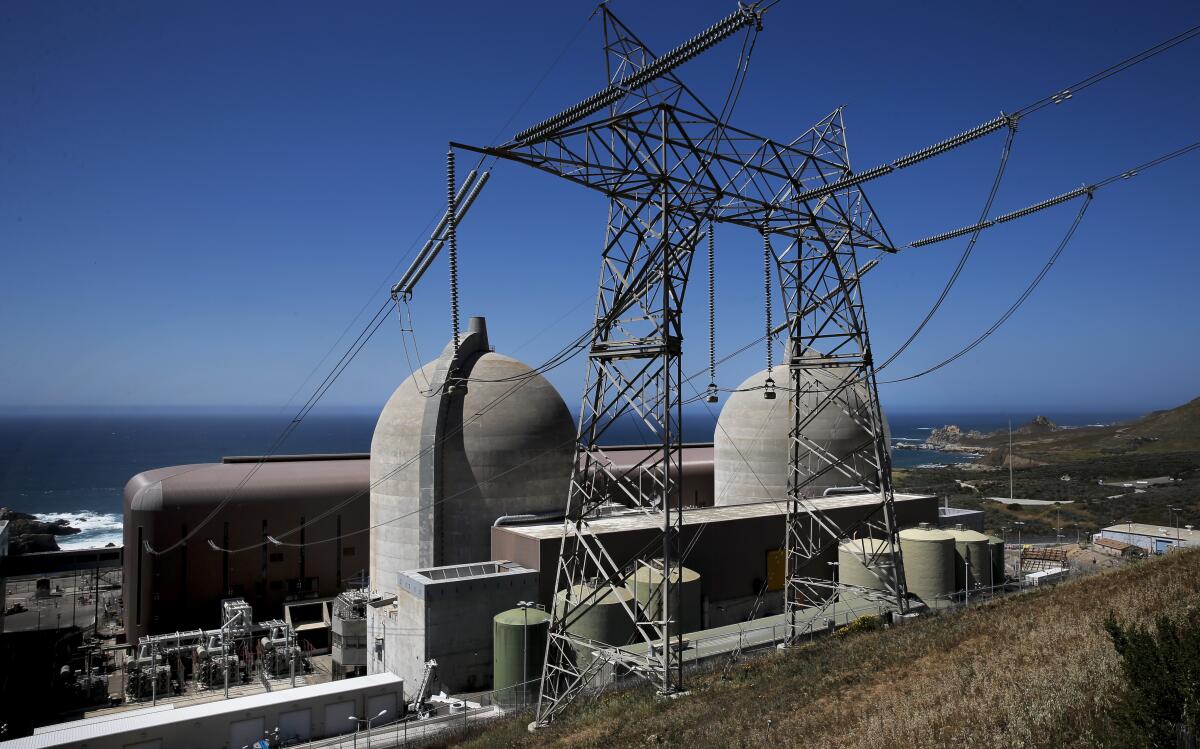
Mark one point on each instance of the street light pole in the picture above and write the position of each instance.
(834, 565)
(358, 725)
(524, 606)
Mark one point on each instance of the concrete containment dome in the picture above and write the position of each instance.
(751, 442)
(447, 462)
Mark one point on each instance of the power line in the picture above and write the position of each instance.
(355, 348)
(991, 126)
(1062, 245)
(966, 255)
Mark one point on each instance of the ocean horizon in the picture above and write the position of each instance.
(73, 465)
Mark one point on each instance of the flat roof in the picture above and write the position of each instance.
(143, 720)
(1154, 531)
(635, 520)
(1031, 502)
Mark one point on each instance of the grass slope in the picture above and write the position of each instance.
(1035, 670)
(1174, 430)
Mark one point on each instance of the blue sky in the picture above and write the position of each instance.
(197, 198)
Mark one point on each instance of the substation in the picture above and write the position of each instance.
(491, 542)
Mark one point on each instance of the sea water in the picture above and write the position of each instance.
(74, 466)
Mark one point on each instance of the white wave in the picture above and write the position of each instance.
(96, 528)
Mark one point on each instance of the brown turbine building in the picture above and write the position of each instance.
(181, 588)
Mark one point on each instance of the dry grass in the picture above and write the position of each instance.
(1030, 671)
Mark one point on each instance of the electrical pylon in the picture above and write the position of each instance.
(670, 167)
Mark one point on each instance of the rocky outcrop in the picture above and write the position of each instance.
(1039, 425)
(31, 543)
(951, 434)
(28, 535)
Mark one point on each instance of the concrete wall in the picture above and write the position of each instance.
(446, 620)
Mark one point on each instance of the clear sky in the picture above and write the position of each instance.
(196, 198)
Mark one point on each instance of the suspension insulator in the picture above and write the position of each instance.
(712, 319)
(769, 386)
(452, 250)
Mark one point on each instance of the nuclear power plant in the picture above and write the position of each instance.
(464, 497)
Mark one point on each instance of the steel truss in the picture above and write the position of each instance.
(671, 167)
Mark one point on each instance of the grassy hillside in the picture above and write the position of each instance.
(1035, 670)
(1174, 430)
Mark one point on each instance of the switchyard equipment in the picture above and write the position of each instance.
(214, 656)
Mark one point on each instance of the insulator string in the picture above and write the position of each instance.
(452, 244)
(770, 389)
(712, 317)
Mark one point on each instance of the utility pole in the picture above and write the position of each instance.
(96, 594)
(1010, 461)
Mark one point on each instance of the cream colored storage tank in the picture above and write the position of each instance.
(646, 585)
(996, 546)
(853, 557)
(928, 562)
(971, 552)
(606, 620)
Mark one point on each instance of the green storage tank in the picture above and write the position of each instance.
(605, 622)
(646, 584)
(971, 548)
(853, 556)
(996, 545)
(928, 562)
(519, 639)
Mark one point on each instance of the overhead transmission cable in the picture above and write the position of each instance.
(351, 353)
(1089, 191)
(356, 347)
(966, 255)
(1036, 207)
(991, 126)
(1062, 245)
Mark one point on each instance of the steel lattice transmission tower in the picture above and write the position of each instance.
(670, 167)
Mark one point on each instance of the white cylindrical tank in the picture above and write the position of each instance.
(445, 465)
(752, 444)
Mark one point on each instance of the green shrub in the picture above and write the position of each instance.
(1161, 668)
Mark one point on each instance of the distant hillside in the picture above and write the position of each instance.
(1035, 670)
(1041, 441)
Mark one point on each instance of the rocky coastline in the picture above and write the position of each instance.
(28, 535)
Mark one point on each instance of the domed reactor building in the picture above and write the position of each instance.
(466, 441)
(752, 440)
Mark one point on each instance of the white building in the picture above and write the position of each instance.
(1156, 539)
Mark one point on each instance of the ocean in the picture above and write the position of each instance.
(75, 466)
